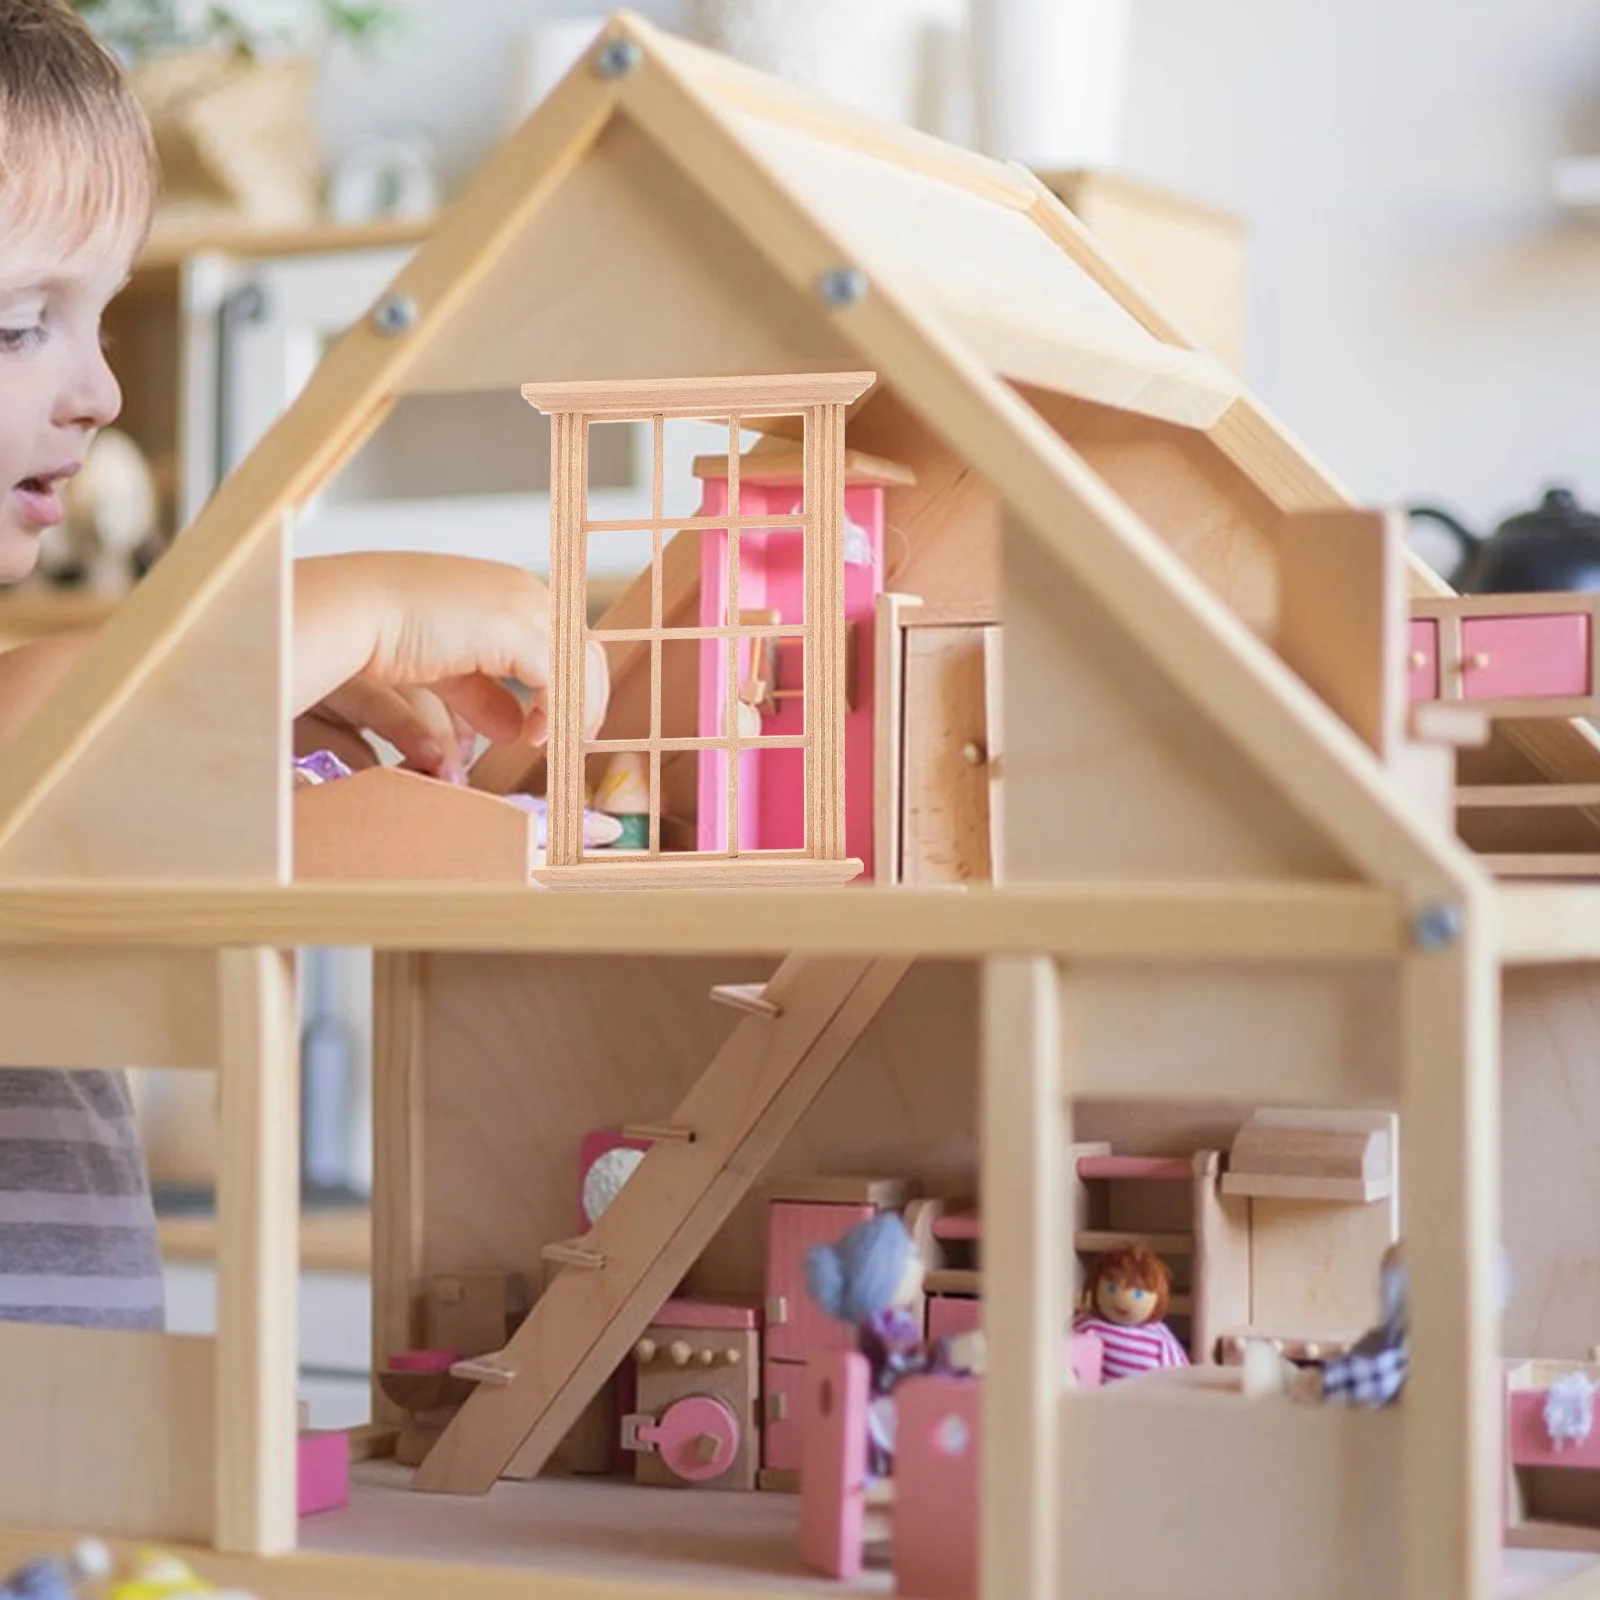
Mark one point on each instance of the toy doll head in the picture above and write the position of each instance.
(1129, 1285)
(873, 1268)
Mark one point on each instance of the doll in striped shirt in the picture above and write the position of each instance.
(1125, 1304)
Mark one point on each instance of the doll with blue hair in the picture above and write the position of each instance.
(872, 1279)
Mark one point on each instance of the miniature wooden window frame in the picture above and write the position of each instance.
(819, 400)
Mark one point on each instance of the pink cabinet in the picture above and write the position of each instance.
(797, 1328)
(950, 1315)
(1525, 657)
(783, 1397)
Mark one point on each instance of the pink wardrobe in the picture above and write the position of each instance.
(771, 590)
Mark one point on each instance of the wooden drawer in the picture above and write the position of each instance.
(1423, 668)
(1525, 657)
(783, 1397)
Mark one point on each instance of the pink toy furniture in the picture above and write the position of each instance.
(771, 580)
(934, 1493)
(324, 1472)
(1503, 651)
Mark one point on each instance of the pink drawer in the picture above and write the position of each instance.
(782, 1399)
(1525, 658)
(1530, 1444)
(1423, 668)
(953, 1314)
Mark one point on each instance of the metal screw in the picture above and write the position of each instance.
(616, 58)
(1436, 927)
(842, 286)
(394, 314)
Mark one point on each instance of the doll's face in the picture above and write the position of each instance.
(1126, 1303)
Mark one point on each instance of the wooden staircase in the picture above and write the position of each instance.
(613, 1281)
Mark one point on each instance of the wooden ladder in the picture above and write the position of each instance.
(612, 1282)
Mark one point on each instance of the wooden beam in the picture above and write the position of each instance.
(1543, 925)
(1027, 1262)
(258, 1254)
(1103, 921)
(1451, 1428)
(748, 1100)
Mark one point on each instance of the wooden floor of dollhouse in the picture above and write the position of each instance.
(706, 1540)
(703, 1539)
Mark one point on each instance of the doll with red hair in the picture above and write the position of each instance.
(1125, 1304)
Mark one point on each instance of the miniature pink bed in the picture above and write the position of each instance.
(934, 1499)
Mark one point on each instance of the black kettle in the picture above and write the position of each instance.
(1556, 546)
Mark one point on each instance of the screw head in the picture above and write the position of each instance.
(394, 314)
(616, 58)
(842, 286)
(1436, 927)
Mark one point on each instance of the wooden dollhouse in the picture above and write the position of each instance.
(1194, 857)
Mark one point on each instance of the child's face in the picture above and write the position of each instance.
(55, 387)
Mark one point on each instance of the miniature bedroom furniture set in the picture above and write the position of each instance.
(1231, 881)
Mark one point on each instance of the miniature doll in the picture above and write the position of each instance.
(872, 1278)
(1125, 1304)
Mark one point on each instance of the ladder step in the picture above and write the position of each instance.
(574, 1253)
(750, 997)
(659, 1133)
(1520, 796)
(484, 1369)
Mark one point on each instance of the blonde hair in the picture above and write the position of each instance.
(77, 161)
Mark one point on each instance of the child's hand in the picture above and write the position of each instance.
(414, 647)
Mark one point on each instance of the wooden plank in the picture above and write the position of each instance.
(107, 1008)
(1514, 796)
(1542, 866)
(1451, 1430)
(994, 700)
(711, 398)
(191, 780)
(258, 1250)
(1342, 615)
(686, 873)
(109, 1431)
(1129, 920)
(947, 824)
(1026, 1120)
(746, 1102)
(399, 1214)
(1257, 1498)
(888, 774)
(1542, 924)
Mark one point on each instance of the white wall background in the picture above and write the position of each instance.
(1420, 313)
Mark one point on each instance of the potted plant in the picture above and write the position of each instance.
(229, 89)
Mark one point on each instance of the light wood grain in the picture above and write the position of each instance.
(1132, 919)
(1541, 924)
(192, 781)
(710, 397)
(108, 1009)
(399, 1172)
(89, 1416)
(258, 1192)
(1026, 1129)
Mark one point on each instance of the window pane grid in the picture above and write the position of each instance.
(657, 432)
(730, 709)
(781, 630)
(796, 520)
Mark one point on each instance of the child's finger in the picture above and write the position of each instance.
(483, 704)
(415, 722)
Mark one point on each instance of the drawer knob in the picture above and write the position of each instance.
(1478, 660)
(973, 753)
(1416, 661)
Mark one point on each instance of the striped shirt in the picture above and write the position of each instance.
(1131, 1350)
(77, 1228)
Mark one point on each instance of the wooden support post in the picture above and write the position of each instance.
(1027, 1255)
(1452, 1449)
(569, 475)
(258, 1211)
(825, 660)
(398, 991)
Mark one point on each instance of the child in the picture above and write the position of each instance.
(409, 647)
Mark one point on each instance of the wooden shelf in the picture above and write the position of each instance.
(1091, 1241)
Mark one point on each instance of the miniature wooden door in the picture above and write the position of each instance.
(819, 635)
(796, 1328)
(950, 817)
